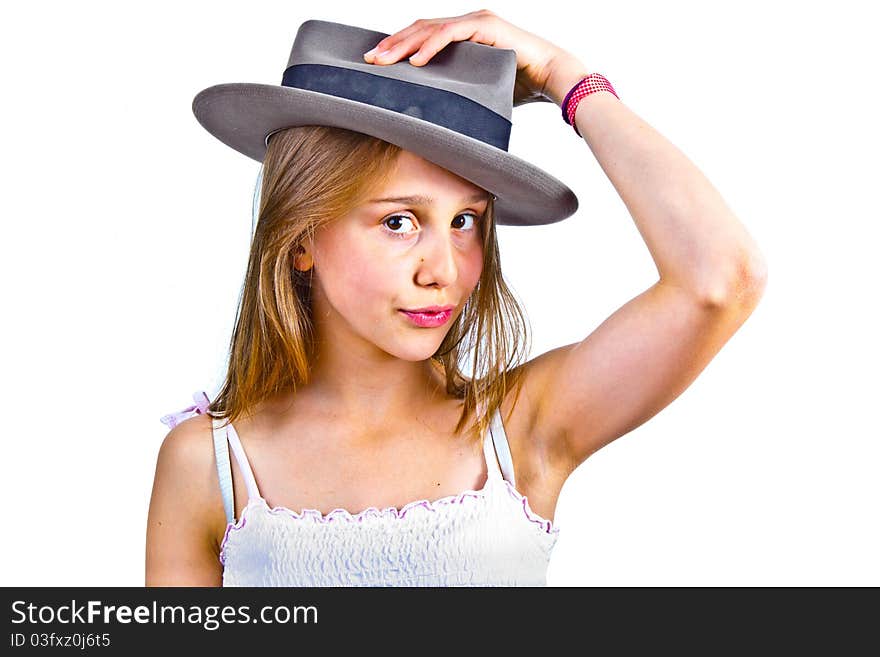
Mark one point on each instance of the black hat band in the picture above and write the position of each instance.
(437, 106)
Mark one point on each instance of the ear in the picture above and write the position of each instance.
(302, 260)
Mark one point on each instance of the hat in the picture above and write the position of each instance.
(454, 111)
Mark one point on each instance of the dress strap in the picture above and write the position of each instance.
(224, 469)
(502, 449)
(243, 464)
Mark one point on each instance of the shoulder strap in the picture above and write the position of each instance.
(243, 463)
(224, 469)
(502, 449)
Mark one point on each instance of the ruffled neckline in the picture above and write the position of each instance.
(341, 515)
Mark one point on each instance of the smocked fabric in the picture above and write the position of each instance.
(484, 537)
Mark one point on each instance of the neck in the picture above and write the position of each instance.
(373, 388)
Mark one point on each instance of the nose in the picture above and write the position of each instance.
(438, 261)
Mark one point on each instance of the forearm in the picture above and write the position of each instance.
(695, 240)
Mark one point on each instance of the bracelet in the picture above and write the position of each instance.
(592, 83)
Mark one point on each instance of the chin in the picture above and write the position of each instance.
(415, 356)
(416, 351)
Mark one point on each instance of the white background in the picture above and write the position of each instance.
(125, 235)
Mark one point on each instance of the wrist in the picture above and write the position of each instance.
(589, 86)
(566, 73)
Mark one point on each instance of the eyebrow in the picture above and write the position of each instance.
(427, 200)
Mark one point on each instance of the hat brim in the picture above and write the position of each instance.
(241, 115)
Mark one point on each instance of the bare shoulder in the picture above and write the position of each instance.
(185, 508)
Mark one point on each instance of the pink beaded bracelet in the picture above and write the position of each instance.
(592, 83)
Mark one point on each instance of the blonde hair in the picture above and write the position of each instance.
(311, 176)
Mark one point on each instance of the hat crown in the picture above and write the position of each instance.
(481, 73)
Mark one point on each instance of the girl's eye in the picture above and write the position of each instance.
(473, 223)
(397, 221)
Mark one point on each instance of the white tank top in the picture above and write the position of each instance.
(485, 537)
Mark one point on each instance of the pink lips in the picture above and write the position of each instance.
(429, 317)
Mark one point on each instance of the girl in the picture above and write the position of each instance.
(363, 452)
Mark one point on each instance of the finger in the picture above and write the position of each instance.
(440, 38)
(403, 48)
(393, 40)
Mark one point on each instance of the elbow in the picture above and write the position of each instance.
(743, 284)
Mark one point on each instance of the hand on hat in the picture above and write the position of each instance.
(537, 60)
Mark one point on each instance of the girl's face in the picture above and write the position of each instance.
(387, 255)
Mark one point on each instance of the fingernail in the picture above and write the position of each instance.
(370, 52)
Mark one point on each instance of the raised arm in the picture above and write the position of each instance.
(651, 349)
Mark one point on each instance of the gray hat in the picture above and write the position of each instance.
(454, 111)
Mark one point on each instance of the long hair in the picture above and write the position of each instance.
(311, 176)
